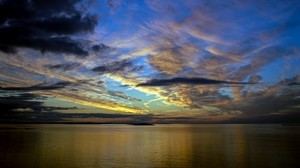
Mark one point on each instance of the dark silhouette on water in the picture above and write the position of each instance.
(141, 124)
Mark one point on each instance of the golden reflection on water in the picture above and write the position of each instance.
(85, 146)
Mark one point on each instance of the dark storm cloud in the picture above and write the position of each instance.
(64, 66)
(14, 102)
(58, 85)
(193, 81)
(116, 67)
(44, 25)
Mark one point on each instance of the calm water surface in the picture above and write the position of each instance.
(161, 146)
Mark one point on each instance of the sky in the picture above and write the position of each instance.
(173, 61)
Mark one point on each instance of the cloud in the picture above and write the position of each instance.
(295, 81)
(39, 87)
(113, 4)
(167, 62)
(123, 96)
(261, 58)
(255, 78)
(293, 84)
(94, 101)
(198, 97)
(64, 67)
(117, 67)
(279, 99)
(26, 101)
(48, 26)
(100, 47)
(192, 81)
(20, 101)
(29, 107)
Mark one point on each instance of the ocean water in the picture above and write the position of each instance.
(161, 146)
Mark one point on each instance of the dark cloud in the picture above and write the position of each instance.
(42, 86)
(29, 101)
(100, 47)
(123, 96)
(294, 83)
(124, 85)
(116, 67)
(27, 107)
(7, 49)
(22, 101)
(30, 108)
(193, 81)
(64, 66)
(44, 25)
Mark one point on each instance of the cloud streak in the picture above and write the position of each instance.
(38, 87)
(116, 67)
(191, 81)
(64, 66)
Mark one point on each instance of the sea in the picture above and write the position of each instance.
(146, 146)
